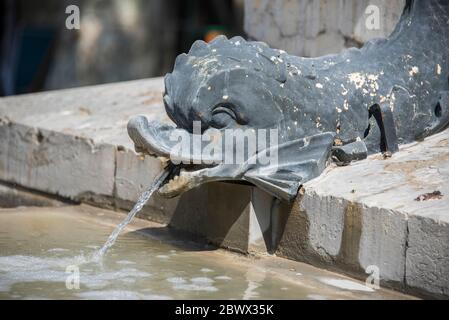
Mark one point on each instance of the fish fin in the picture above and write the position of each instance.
(303, 160)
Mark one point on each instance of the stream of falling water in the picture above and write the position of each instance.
(143, 199)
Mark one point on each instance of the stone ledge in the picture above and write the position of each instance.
(12, 196)
(73, 143)
(367, 214)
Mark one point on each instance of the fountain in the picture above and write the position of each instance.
(338, 108)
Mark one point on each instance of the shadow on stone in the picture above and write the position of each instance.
(217, 211)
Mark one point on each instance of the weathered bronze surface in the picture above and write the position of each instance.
(340, 107)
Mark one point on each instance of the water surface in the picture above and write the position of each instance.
(41, 250)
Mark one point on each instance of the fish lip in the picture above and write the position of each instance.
(152, 138)
(162, 140)
(179, 182)
(145, 138)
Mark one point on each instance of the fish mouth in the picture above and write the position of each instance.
(158, 140)
(192, 168)
(297, 161)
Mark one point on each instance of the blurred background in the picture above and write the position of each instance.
(121, 40)
(118, 40)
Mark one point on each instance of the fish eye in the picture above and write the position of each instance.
(222, 116)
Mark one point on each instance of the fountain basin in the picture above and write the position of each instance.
(44, 249)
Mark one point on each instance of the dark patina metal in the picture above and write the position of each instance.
(341, 107)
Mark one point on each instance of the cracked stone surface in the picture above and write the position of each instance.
(368, 214)
(317, 27)
(68, 142)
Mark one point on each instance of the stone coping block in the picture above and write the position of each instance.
(66, 142)
(388, 214)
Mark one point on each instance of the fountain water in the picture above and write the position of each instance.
(143, 199)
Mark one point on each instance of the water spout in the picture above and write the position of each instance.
(143, 199)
